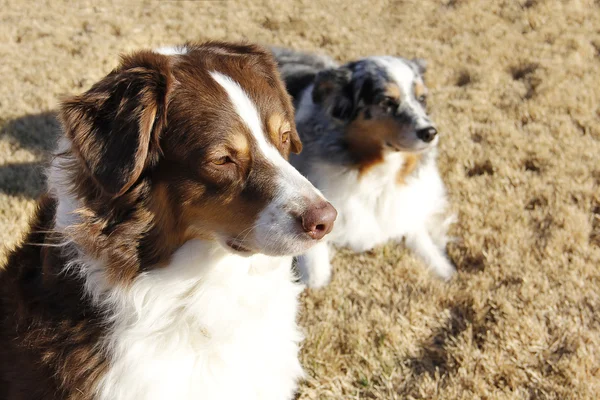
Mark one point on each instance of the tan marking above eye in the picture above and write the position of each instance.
(393, 91)
(420, 90)
(241, 144)
(278, 128)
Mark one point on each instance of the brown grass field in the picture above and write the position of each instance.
(515, 91)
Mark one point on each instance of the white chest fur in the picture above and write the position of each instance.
(211, 325)
(374, 208)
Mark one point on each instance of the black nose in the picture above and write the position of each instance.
(318, 221)
(427, 134)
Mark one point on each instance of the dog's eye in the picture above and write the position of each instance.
(285, 137)
(389, 104)
(422, 99)
(222, 160)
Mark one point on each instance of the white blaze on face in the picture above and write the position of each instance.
(405, 77)
(248, 113)
(276, 229)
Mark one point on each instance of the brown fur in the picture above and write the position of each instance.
(48, 330)
(410, 164)
(420, 90)
(147, 141)
(367, 138)
(393, 91)
(518, 323)
(178, 159)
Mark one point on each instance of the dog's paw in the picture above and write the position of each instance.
(320, 281)
(314, 266)
(444, 269)
(439, 230)
(317, 278)
(314, 276)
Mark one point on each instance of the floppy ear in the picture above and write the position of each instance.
(421, 65)
(295, 143)
(114, 127)
(331, 91)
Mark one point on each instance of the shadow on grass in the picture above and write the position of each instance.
(437, 357)
(37, 133)
(23, 179)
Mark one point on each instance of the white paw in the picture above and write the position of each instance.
(439, 230)
(444, 269)
(314, 266)
(314, 276)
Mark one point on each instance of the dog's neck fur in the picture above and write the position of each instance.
(145, 239)
(174, 331)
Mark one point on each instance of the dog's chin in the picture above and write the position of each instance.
(279, 248)
(293, 246)
(237, 247)
(416, 146)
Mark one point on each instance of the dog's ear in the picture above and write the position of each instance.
(332, 91)
(295, 142)
(421, 65)
(115, 126)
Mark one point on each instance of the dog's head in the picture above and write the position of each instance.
(381, 101)
(194, 144)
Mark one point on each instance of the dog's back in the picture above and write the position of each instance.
(299, 69)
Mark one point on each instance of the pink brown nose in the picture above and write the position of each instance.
(318, 221)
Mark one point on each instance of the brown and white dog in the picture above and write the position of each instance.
(158, 265)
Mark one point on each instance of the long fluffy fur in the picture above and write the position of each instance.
(394, 198)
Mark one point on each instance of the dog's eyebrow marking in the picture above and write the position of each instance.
(247, 112)
(244, 106)
(419, 89)
(400, 73)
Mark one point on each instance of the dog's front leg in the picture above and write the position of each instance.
(435, 257)
(438, 226)
(314, 266)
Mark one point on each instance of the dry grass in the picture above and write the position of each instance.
(514, 90)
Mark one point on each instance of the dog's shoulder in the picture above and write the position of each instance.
(17, 276)
(45, 322)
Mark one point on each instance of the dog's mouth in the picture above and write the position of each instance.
(393, 146)
(237, 247)
(415, 147)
